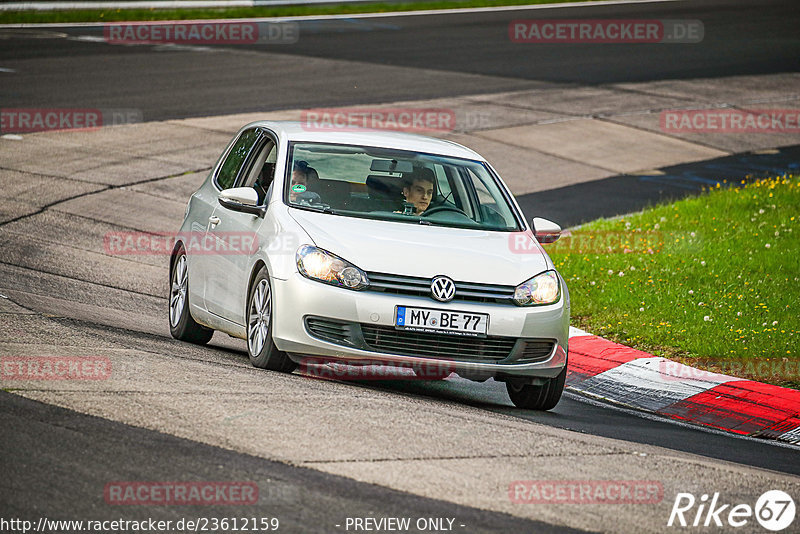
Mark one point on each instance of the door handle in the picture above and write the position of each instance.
(214, 220)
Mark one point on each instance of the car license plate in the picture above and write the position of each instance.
(441, 321)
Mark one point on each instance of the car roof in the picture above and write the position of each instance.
(299, 131)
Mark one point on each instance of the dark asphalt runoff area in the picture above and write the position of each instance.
(376, 60)
(580, 203)
(56, 462)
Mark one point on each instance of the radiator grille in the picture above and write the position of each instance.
(419, 286)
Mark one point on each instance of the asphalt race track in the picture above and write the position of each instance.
(180, 412)
(305, 500)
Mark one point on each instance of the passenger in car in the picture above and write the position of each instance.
(419, 189)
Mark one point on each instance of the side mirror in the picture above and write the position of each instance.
(244, 199)
(545, 231)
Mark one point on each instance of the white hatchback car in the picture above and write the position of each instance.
(362, 247)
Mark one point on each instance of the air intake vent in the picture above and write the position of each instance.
(328, 330)
(535, 351)
(442, 346)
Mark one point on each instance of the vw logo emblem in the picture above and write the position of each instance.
(443, 288)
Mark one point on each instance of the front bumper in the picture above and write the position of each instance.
(364, 315)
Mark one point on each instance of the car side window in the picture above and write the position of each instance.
(493, 210)
(262, 172)
(442, 183)
(236, 157)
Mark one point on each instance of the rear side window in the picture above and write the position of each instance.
(235, 159)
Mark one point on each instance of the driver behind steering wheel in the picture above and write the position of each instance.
(419, 189)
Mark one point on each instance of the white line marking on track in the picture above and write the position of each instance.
(651, 383)
(365, 15)
(793, 436)
(575, 332)
(87, 38)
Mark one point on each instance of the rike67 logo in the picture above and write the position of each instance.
(774, 510)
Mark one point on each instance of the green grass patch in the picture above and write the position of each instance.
(712, 281)
(117, 15)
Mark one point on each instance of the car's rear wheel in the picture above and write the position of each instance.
(181, 323)
(541, 397)
(260, 313)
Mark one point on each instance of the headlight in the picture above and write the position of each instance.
(320, 265)
(543, 288)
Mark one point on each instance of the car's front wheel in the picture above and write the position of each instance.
(260, 313)
(182, 325)
(541, 397)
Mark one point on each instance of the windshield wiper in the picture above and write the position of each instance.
(325, 209)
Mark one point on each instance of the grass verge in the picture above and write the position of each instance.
(711, 281)
(117, 15)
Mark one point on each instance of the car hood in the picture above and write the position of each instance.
(507, 258)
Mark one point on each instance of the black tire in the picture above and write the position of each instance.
(260, 346)
(182, 325)
(543, 397)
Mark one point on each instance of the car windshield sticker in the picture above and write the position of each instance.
(298, 188)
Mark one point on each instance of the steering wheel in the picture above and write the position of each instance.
(441, 208)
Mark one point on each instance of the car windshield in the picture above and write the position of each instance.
(404, 186)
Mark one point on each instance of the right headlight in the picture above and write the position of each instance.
(544, 288)
(321, 265)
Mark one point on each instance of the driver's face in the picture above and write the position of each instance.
(298, 177)
(419, 193)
